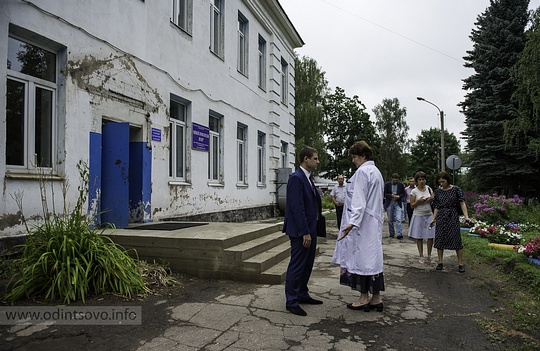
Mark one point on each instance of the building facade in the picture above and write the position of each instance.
(179, 109)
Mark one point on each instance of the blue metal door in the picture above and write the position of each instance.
(115, 174)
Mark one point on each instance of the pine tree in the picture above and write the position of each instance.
(497, 42)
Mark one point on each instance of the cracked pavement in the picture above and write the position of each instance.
(423, 310)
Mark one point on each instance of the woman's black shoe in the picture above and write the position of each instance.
(365, 307)
(439, 267)
(379, 307)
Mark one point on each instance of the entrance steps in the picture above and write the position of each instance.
(248, 252)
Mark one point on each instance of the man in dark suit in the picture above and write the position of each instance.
(394, 193)
(302, 211)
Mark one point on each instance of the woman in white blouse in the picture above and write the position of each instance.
(419, 229)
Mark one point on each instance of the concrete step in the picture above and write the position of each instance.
(248, 249)
(275, 274)
(241, 252)
(266, 259)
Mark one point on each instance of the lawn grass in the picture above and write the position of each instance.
(512, 280)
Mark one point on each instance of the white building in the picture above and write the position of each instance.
(182, 109)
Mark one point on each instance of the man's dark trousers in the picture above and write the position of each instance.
(298, 274)
(339, 214)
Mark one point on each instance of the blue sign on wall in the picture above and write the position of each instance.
(200, 138)
(156, 134)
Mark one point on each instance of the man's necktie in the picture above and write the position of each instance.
(312, 184)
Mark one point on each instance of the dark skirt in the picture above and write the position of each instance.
(363, 283)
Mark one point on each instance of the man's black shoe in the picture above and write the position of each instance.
(400, 237)
(311, 301)
(297, 311)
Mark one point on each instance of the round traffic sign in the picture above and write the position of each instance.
(453, 162)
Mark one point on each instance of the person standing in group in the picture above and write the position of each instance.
(445, 215)
(303, 209)
(394, 193)
(338, 196)
(358, 249)
(408, 207)
(420, 200)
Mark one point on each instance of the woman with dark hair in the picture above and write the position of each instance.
(420, 200)
(446, 217)
(359, 245)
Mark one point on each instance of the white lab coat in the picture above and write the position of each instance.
(360, 252)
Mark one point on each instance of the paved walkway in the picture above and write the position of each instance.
(424, 310)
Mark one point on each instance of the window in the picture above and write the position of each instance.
(262, 63)
(178, 140)
(241, 132)
(214, 150)
(261, 146)
(242, 44)
(182, 14)
(284, 81)
(284, 151)
(30, 106)
(216, 27)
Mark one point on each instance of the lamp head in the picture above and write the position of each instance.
(420, 98)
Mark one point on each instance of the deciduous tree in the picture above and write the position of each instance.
(426, 151)
(347, 121)
(392, 130)
(311, 88)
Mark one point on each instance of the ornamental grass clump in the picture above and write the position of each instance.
(67, 258)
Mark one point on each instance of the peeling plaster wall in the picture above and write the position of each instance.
(123, 59)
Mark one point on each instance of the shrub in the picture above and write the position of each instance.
(66, 258)
(496, 209)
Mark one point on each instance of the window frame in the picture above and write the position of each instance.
(243, 44)
(261, 158)
(215, 170)
(182, 11)
(284, 151)
(30, 119)
(284, 81)
(174, 124)
(262, 63)
(241, 153)
(216, 27)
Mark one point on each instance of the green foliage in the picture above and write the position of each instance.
(392, 130)
(525, 128)
(425, 151)
(66, 258)
(327, 203)
(497, 42)
(310, 91)
(517, 282)
(494, 209)
(347, 122)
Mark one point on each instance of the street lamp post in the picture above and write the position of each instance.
(441, 113)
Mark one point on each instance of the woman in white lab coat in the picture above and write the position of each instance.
(359, 245)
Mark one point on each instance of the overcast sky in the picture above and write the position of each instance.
(379, 49)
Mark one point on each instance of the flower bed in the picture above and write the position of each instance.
(531, 249)
(499, 234)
